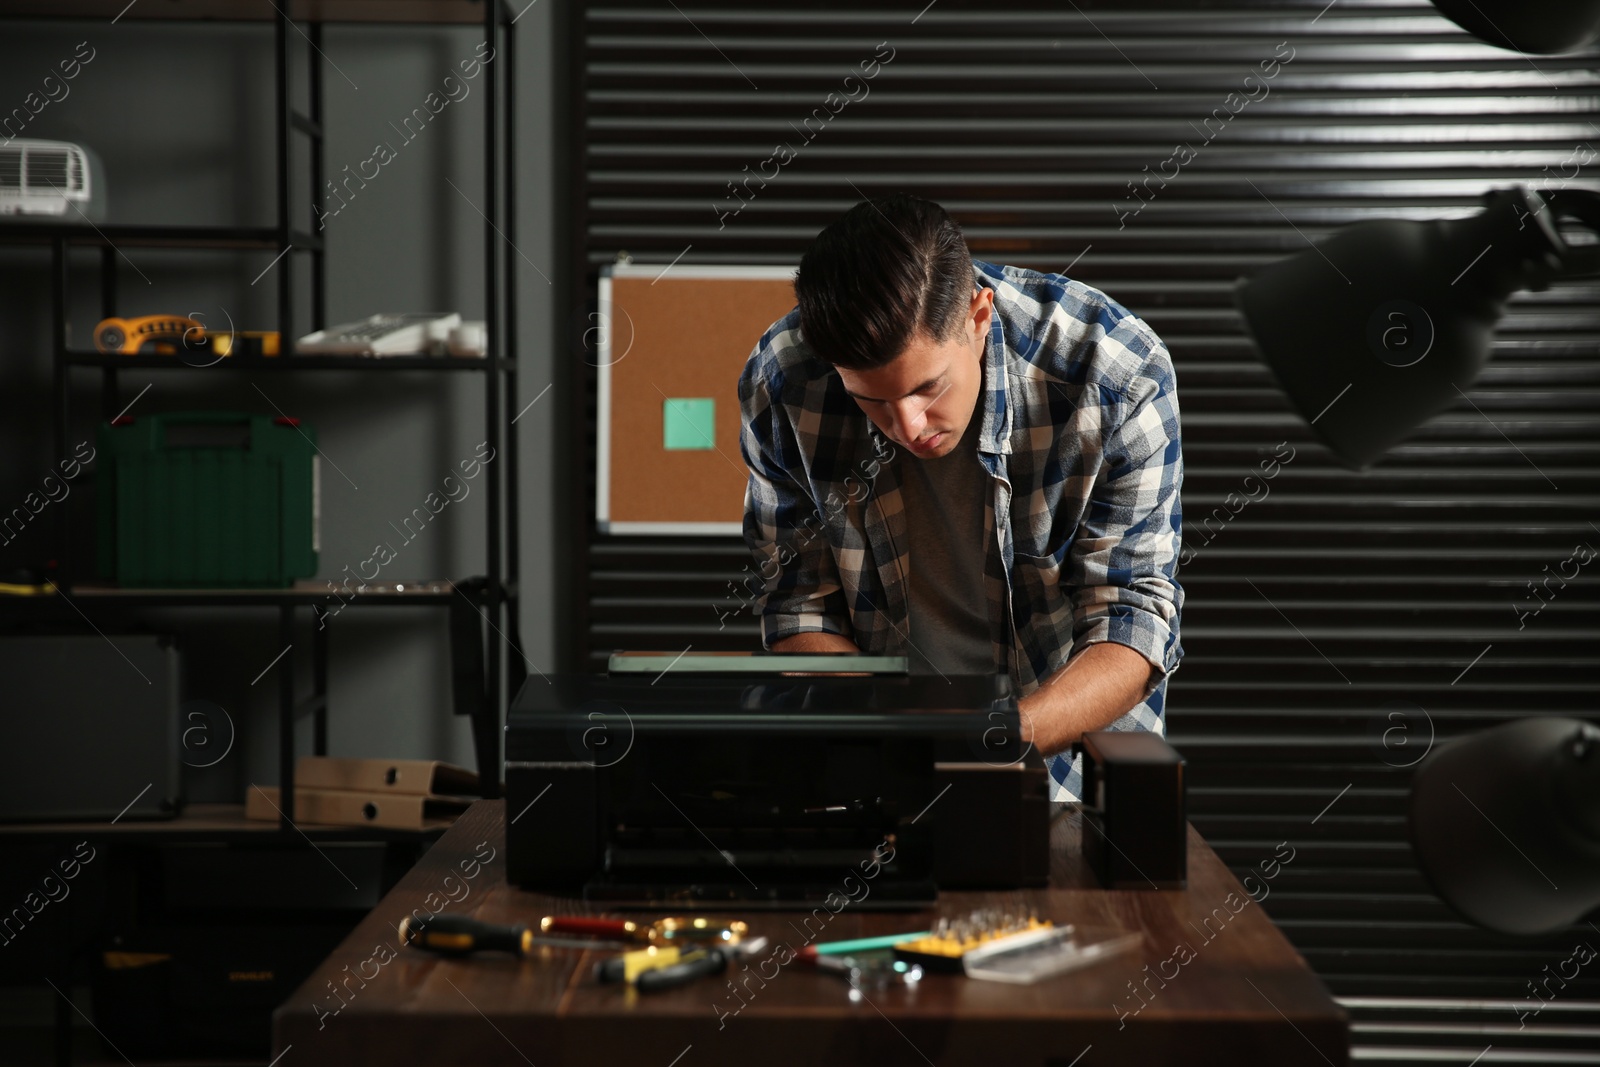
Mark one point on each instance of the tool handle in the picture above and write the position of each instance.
(628, 966)
(576, 924)
(457, 935)
(864, 944)
(713, 961)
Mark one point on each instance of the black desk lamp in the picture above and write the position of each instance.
(1387, 322)
(1370, 333)
(1542, 27)
(1506, 824)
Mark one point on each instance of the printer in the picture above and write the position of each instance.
(737, 779)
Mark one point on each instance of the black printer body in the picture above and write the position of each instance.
(689, 790)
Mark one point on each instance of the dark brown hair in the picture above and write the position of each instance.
(887, 269)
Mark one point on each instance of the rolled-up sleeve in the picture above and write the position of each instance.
(794, 566)
(1124, 559)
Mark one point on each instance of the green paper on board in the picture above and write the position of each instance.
(688, 422)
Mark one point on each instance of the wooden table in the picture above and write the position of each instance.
(1239, 995)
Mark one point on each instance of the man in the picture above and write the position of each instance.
(972, 465)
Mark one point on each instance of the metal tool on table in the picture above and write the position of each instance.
(657, 967)
(1011, 945)
(662, 954)
(1046, 952)
(668, 931)
(945, 947)
(457, 935)
(870, 972)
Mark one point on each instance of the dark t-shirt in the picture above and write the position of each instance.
(945, 499)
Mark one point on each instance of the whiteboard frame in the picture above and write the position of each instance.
(602, 452)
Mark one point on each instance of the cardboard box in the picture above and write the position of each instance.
(341, 807)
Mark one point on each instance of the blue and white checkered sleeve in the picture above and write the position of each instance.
(800, 590)
(1124, 559)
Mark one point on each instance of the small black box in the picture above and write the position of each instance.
(993, 829)
(95, 730)
(1135, 816)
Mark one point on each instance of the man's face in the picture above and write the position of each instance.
(924, 398)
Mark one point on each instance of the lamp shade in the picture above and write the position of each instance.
(1506, 824)
(1386, 322)
(1538, 27)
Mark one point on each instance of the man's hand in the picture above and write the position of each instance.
(1095, 688)
(816, 642)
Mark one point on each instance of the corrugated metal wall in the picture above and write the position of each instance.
(1335, 622)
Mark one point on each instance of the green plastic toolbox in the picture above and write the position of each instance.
(207, 499)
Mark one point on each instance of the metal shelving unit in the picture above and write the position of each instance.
(483, 609)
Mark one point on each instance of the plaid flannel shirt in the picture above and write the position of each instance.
(1080, 437)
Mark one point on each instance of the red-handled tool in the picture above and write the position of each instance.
(577, 924)
(667, 931)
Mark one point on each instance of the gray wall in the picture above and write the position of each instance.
(181, 115)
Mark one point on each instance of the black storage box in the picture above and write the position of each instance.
(92, 731)
(1135, 811)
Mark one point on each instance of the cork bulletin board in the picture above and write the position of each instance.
(671, 345)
